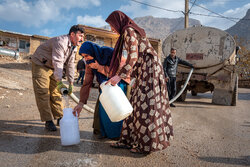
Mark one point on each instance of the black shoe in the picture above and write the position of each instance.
(58, 121)
(172, 105)
(96, 132)
(115, 138)
(50, 126)
(101, 137)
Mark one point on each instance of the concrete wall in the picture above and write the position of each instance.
(12, 41)
(34, 43)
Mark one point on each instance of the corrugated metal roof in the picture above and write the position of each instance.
(41, 37)
(17, 33)
(12, 32)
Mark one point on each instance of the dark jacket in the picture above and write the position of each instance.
(170, 65)
(80, 65)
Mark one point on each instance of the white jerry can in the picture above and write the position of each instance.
(115, 102)
(69, 128)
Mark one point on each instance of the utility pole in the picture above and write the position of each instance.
(186, 13)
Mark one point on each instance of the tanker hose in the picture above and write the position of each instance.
(183, 88)
(65, 91)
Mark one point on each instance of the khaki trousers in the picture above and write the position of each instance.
(48, 98)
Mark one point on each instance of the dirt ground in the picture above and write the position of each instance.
(205, 134)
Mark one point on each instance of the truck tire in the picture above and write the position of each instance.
(193, 93)
(182, 97)
(235, 93)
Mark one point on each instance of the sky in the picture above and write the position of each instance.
(55, 17)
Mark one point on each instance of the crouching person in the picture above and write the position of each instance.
(97, 64)
(47, 70)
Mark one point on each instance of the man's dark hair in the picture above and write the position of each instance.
(173, 49)
(76, 28)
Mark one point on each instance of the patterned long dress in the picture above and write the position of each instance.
(149, 127)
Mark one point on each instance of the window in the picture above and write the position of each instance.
(12, 42)
(90, 38)
(22, 44)
(100, 41)
(97, 40)
(8, 41)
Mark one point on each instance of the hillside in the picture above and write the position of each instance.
(161, 27)
(242, 30)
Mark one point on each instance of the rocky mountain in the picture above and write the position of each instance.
(242, 30)
(161, 27)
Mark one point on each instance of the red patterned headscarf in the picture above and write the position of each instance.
(120, 22)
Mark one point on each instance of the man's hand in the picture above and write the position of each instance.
(78, 109)
(70, 88)
(60, 85)
(166, 79)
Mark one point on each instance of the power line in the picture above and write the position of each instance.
(192, 6)
(218, 15)
(213, 12)
(234, 18)
(169, 10)
(193, 3)
(227, 0)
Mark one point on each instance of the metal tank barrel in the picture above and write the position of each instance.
(201, 46)
(9, 52)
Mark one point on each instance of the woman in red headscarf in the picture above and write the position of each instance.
(149, 127)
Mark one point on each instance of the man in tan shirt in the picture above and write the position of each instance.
(47, 69)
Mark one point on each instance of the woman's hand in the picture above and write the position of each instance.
(78, 109)
(114, 80)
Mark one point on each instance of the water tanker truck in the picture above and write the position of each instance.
(212, 52)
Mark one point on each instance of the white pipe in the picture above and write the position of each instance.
(185, 85)
(65, 91)
(84, 106)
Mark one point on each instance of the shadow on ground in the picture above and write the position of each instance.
(246, 124)
(244, 160)
(30, 137)
(18, 66)
(244, 96)
(208, 99)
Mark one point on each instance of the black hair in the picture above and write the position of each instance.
(76, 28)
(173, 49)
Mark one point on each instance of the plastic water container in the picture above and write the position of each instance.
(69, 128)
(115, 102)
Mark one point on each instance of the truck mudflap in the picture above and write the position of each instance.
(226, 96)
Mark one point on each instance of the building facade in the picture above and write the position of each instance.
(26, 44)
(105, 37)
